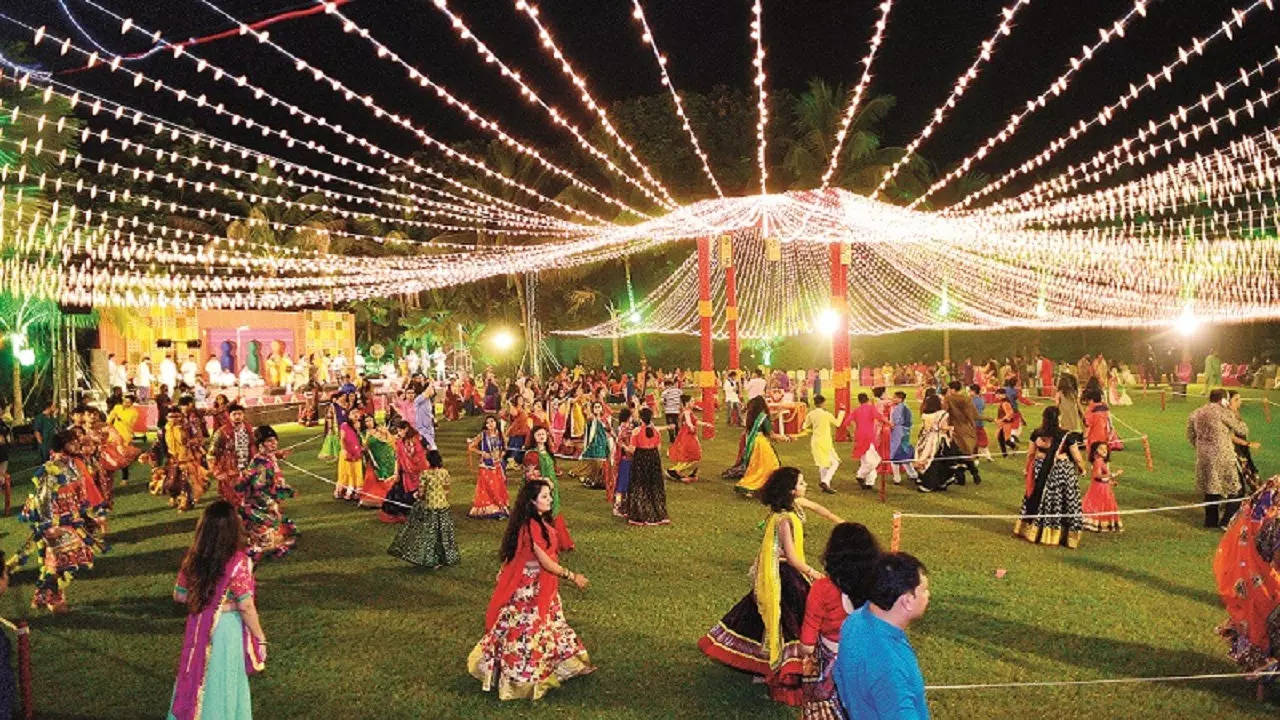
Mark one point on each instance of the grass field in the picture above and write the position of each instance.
(357, 634)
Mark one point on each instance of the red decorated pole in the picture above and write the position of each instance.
(707, 378)
(730, 298)
(840, 337)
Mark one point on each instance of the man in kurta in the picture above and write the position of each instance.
(1210, 429)
(867, 421)
(900, 448)
(821, 422)
(424, 416)
(230, 450)
(964, 430)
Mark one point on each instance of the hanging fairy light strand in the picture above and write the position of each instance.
(962, 84)
(532, 12)
(1105, 35)
(1184, 56)
(307, 69)
(855, 97)
(762, 105)
(647, 36)
(465, 33)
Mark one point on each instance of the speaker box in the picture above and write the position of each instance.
(164, 343)
(193, 343)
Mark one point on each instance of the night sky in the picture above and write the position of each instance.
(927, 44)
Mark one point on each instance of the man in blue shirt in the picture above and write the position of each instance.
(876, 673)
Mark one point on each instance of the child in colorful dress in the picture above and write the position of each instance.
(428, 538)
(350, 460)
(1009, 422)
(559, 419)
(1101, 496)
(491, 498)
(849, 561)
(528, 647)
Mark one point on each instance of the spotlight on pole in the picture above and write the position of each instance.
(503, 340)
(1187, 322)
(828, 321)
(635, 317)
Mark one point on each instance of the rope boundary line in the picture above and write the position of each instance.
(1107, 681)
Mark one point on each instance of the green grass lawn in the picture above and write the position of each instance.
(356, 633)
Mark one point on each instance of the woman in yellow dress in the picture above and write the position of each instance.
(757, 450)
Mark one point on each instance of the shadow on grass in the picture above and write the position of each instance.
(161, 669)
(1013, 642)
(125, 564)
(182, 526)
(1199, 595)
(139, 615)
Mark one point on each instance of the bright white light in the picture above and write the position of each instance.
(1187, 323)
(635, 317)
(503, 340)
(828, 321)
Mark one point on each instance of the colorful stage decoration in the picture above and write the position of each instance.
(1175, 221)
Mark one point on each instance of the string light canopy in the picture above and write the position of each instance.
(1172, 224)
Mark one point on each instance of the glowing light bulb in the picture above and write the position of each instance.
(828, 321)
(503, 340)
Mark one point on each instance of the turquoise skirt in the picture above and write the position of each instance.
(226, 684)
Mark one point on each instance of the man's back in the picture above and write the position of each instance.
(876, 672)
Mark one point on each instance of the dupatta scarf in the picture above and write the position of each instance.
(759, 422)
(1035, 482)
(197, 644)
(768, 584)
(547, 469)
(512, 573)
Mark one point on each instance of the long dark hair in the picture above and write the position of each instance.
(777, 490)
(755, 406)
(219, 534)
(531, 442)
(646, 417)
(522, 511)
(850, 558)
(1049, 421)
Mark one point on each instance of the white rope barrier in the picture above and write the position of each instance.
(1011, 453)
(335, 484)
(1107, 681)
(1015, 516)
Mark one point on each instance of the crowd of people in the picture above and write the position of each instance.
(829, 641)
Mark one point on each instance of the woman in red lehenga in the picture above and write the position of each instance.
(491, 499)
(528, 647)
(1247, 568)
(686, 452)
(452, 402)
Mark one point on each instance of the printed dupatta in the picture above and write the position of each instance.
(768, 582)
(512, 573)
(197, 644)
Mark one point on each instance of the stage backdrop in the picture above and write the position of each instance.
(201, 333)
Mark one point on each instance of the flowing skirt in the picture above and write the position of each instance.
(350, 476)
(1101, 498)
(760, 465)
(821, 702)
(491, 498)
(526, 654)
(624, 476)
(395, 508)
(375, 489)
(225, 695)
(329, 447)
(1061, 495)
(646, 501)
(270, 532)
(738, 639)
(1245, 570)
(427, 539)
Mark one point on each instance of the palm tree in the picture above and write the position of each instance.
(863, 162)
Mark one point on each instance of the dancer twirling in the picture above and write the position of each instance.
(539, 464)
(528, 647)
(261, 489)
